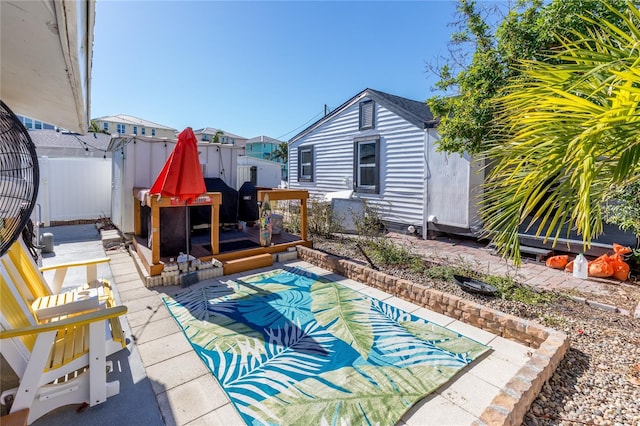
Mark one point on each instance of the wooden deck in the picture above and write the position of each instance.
(233, 245)
(225, 245)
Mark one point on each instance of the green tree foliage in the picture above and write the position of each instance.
(281, 152)
(528, 31)
(622, 207)
(567, 127)
(94, 127)
(216, 137)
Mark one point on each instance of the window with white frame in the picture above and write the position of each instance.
(366, 167)
(121, 128)
(367, 116)
(135, 130)
(105, 126)
(153, 132)
(305, 164)
(144, 131)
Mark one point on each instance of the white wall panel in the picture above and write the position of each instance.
(74, 189)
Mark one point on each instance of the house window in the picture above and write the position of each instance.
(367, 165)
(153, 132)
(121, 128)
(135, 130)
(38, 124)
(28, 123)
(105, 126)
(205, 138)
(367, 109)
(305, 164)
(144, 131)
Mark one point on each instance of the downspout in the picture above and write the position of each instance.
(425, 196)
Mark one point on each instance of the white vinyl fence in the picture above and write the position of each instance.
(73, 189)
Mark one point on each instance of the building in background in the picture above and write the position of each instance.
(266, 148)
(33, 124)
(381, 149)
(123, 124)
(213, 135)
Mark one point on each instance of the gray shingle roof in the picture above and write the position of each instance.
(54, 139)
(415, 112)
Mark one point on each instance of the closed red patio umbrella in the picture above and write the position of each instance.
(181, 175)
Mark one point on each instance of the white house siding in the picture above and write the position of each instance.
(401, 164)
(402, 174)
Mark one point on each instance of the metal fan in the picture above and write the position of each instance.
(19, 177)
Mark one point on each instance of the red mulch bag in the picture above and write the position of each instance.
(569, 267)
(620, 249)
(602, 267)
(620, 267)
(557, 262)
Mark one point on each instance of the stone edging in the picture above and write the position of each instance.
(511, 404)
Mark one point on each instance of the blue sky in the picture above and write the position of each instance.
(260, 68)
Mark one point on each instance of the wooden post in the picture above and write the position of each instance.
(137, 227)
(303, 218)
(215, 221)
(155, 232)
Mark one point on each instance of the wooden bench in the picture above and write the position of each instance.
(247, 263)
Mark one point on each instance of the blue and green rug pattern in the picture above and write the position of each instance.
(291, 348)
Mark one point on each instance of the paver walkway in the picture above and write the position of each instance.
(531, 272)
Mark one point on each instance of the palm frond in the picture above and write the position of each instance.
(569, 134)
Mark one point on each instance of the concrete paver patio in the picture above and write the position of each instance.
(179, 390)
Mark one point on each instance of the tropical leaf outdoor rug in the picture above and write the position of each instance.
(290, 348)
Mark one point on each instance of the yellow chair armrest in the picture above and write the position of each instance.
(76, 321)
(75, 264)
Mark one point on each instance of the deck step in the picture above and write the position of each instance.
(247, 263)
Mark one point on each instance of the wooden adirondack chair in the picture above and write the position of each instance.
(47, 301)
(53, 340)
(59, 361)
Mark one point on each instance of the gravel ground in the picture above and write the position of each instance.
(598, 381)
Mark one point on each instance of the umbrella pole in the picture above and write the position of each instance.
(187, 232)
(190, 277)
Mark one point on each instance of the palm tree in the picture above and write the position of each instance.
(94, 127)
(216, 136)
(281, 152)
(570, 133)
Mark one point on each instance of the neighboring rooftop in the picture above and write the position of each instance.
(212, 131)
(415, 112)
(134, 121)
(56, 143)
(264, 139)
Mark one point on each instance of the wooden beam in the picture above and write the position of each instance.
(155, 233)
